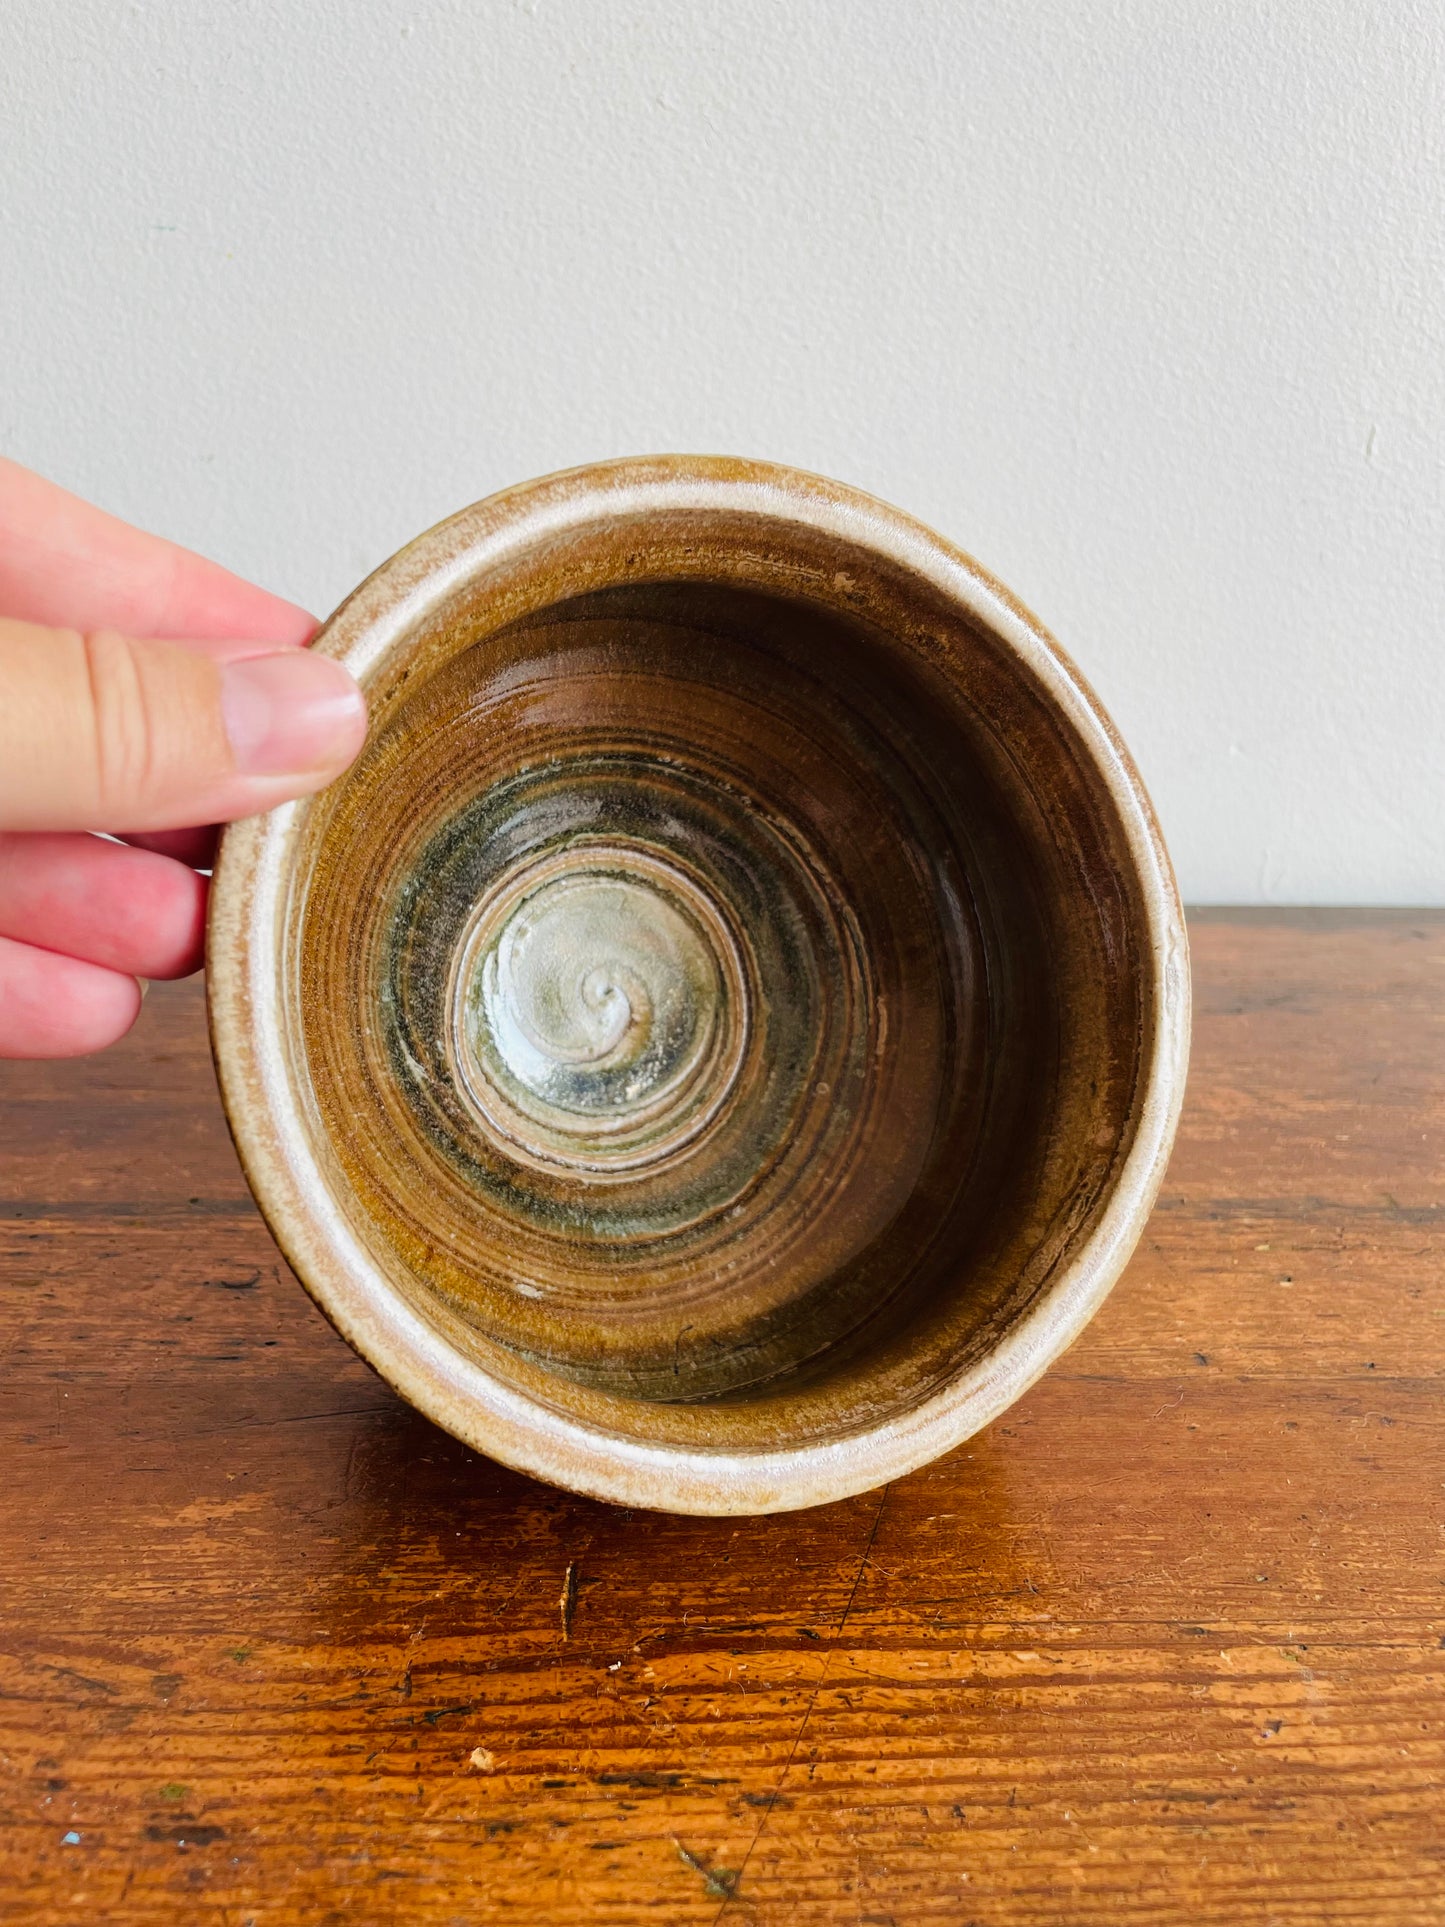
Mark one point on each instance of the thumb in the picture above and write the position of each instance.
(103, 732)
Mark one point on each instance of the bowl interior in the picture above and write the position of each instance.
(719, 987)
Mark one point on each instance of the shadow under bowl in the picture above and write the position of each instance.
(723, 1037)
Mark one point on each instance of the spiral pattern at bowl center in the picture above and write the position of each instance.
(599, 1009)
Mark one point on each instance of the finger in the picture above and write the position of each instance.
(127, 909)
(54, 1006)
(197, 848)
(99, 729)
(65, 563)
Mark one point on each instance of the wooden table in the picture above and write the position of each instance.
(1164, 1645)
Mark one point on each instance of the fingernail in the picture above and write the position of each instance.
(291, 714)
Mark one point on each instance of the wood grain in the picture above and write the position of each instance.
(1164, 1644)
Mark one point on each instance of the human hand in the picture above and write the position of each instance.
(149, 693)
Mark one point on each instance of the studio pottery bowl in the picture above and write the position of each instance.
(723, 1038)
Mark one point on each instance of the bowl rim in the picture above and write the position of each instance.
(268, 1118)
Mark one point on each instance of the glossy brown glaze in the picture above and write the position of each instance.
(1162, 1645)
(723, 1036)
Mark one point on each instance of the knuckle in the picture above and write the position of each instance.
(121, 726)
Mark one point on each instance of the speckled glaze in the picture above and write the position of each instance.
(723, 1038)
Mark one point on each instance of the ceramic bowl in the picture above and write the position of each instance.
(723, 1037)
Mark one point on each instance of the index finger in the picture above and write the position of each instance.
(72, 566)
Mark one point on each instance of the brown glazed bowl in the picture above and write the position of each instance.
(723, 1038)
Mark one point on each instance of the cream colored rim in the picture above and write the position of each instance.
(273, 1131)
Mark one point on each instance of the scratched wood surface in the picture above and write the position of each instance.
(1164, 1645)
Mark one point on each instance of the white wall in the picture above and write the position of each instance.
(1143, 304)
